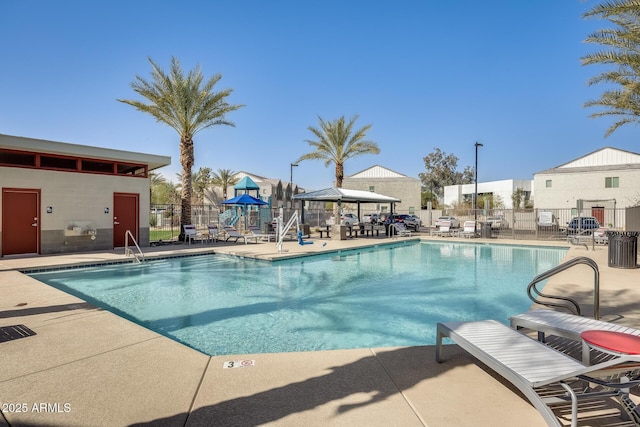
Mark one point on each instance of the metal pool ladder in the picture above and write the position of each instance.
(128, 251)
(567, 303)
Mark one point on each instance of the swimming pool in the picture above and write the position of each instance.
(390, 295)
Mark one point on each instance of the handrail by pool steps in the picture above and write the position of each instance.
(128, 251)
(568, 304)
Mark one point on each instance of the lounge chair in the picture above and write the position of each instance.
(469, 229)
(255, 232)
(232, 233)
(565, 325)
(533, 367)
(444, 230)
(401, 229)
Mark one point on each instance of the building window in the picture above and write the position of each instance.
(372, 188)
(69, 163)
(548, 183)
(612, 182)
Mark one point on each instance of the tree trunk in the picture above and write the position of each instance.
(339, 174)
(186, 160)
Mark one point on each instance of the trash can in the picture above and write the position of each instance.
(485, 230)
(623, 249)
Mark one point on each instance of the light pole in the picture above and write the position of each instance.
(291, 182)
(475, 194)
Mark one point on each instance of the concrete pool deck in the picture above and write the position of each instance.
(88, 367)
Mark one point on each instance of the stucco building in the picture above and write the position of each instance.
(389, 183)
(504, 189)
(59, 197)
(606, 178)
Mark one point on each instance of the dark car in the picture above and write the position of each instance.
(580, 223)
(408, 220)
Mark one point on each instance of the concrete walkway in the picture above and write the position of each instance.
(88, 367)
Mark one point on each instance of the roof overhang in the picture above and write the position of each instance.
(62, 148)
(334, 194)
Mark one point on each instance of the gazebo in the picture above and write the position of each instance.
(347, 195)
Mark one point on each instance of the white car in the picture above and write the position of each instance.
(455, 223)
(497, 222)
(346, 219)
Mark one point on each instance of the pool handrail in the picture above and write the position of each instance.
(568, 303)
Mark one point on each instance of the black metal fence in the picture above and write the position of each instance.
(164, 220)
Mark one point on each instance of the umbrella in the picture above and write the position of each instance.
(244, 200)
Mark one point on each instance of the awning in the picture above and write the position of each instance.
(334, 194)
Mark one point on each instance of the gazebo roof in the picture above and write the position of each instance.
(334, 194)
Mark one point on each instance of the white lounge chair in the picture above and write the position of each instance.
(401, 229)
(565, 325)
(444, 230)
(255, 232)
(532, 367)
(469, 229)
(232, 233)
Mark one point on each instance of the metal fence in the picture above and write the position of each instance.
(516, 223)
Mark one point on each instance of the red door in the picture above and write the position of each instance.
(125, 217)
(20, 221)
(598, 213)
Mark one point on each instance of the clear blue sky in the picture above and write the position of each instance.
(424, 73)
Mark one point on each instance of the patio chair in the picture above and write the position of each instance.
(545, 376)
(213, 234)
(232, 233)
(469, 229)
(401, 229)
(444, 230)
(191, 234)
(255, 232)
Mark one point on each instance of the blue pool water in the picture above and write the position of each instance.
(374, 297)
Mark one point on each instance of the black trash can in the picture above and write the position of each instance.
(485, 230)
(623, 249)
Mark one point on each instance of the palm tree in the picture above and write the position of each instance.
(224, 178)
(338, 142)
(188, 105)
(622, 101)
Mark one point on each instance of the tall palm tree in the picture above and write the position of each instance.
(623, 43)
(224, 178)
(187, 104)
(338, 142)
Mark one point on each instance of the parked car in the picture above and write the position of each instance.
(497, 223)
(413, 221)
(578, 224)
(454, 222)
(348, 219)
(371, 219)
(410, 221)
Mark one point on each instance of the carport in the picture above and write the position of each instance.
(346, 195)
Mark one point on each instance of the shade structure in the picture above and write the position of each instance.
(334, 194)
(244, 199)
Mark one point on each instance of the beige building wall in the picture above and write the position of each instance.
(585, 178)
(81, 198)
(406, 189)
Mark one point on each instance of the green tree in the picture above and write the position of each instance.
(518, 198)
(441, 170)
(163, 191)
(200, 181)
(337, 142)
(621, 51)
(187, 104)
(224, 178)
